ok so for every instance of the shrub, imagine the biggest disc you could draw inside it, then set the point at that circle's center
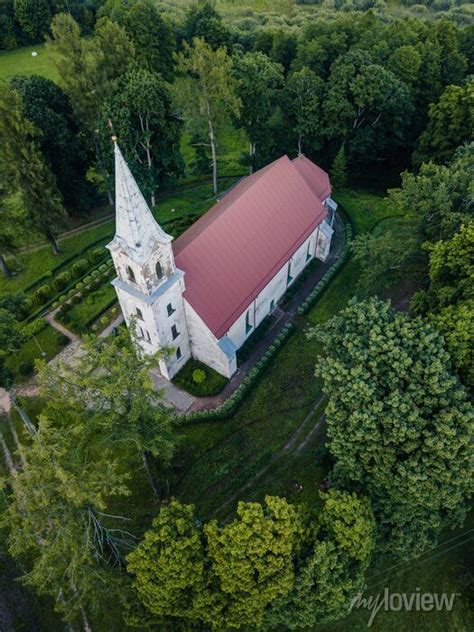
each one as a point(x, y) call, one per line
point(26, 367)
point(77, 298)
point(96, 254)
point(95, 272)
point(103, 267)
point(87, 279)
point(34, 327)
point(43, 293)
point(79, 267)
point(199, 376)
point(62, 280)
point(104, 320)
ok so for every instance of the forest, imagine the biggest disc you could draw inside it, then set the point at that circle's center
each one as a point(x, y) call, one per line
point(349, 454)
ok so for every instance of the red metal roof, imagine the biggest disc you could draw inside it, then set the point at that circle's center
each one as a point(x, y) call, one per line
point(232, 252)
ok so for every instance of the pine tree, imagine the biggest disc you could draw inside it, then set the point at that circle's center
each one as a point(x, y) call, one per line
point(339, 169)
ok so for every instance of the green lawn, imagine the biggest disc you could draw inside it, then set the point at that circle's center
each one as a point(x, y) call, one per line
point(20, 62)
point(48, 342)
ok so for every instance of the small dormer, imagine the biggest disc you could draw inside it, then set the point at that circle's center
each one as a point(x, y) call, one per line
point(141, 250)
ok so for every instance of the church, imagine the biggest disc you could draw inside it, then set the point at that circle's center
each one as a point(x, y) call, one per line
point(203, 295)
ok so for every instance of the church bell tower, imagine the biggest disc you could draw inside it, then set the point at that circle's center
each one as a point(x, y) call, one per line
point(149, 286)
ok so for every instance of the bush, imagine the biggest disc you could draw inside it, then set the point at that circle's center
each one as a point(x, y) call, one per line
point(79, 267)
point(103, 267)
point(43, 293)
point(26, 367)
point(34, 327)
point(62, 280)
point(77, 298)
point(199, 376)
point(96, 255)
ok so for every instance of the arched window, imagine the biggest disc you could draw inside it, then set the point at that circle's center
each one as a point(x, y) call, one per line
point(131, 274)
point(159, 270)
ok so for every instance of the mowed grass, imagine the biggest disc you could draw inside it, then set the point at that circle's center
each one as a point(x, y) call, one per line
point(21, 62)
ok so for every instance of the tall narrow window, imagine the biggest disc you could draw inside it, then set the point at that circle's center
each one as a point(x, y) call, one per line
point(159, 270)
point(170, 309)
point(147, 336)
point(272, 306)
point(308, 252)
point(174, 332)
point(248, 324)
point(289, 278)
point(131, 274)
point(139, 313)
point(178, 353)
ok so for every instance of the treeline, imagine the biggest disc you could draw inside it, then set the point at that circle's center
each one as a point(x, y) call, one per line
point(25, 22)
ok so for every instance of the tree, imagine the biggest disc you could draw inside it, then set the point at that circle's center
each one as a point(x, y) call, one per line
point(450, 124)
point(171, 574)
point(258, 83)
point(303, 108)
point(204, 22)
point(31, 175)
point(252, 557)
point(437, 199)
point(399, 422)
point(339, 169)
point(33, 16)
point(46, 106)
point(366, 107)
point(57, 517)
point(112, 380)
point(330, 568)
point(144, 118)
point(208, 93)
point(11, 335)
point(152, 38)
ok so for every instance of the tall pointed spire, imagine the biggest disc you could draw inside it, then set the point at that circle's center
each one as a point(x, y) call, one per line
point(136, 229)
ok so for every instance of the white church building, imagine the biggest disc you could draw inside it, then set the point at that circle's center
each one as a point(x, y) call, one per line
point(203, 295)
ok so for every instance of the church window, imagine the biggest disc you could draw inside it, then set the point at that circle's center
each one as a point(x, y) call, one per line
point(139, 313)
point(308, 252)
point(159, 270)
point(170, 309)
point(131, 274)
point(248, 324)
point(272, 306)
point(147, 336)
point(178, 353)
point(289, 278)
point(174, 332)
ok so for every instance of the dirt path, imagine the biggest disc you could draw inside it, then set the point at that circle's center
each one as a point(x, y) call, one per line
point(59, 327)
point(282, 452)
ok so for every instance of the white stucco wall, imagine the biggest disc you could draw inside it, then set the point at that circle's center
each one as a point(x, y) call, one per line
point(274, 291)
point(204, 344)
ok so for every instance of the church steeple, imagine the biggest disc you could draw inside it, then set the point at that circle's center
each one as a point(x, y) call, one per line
point(137, 233)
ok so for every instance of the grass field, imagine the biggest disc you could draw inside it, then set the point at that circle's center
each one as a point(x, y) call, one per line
point(21, 62)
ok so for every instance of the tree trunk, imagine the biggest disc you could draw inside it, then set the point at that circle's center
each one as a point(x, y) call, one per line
point(4, 267)
point(300, 148)
point(111, 198)
point(53, 241)
point(212, 140)
point(253, 151)
point(85, 621)
point(151, 478)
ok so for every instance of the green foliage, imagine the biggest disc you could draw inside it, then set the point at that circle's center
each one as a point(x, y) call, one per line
point(339, 169)
point(302, 105)
point(143, 116)
point(399, 422)
point(206, 23)
point(33, 16)
point(275, 563)
point(450, 124)
point(199, 376)
point(11, 336)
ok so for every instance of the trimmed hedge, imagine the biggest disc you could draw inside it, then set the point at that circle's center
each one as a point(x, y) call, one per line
point(199, 379)
point(248, 383)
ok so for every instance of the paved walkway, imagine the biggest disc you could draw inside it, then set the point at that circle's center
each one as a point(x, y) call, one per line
point(172, 395)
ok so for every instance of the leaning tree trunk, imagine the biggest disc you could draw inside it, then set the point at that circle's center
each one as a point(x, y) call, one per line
point(4, 267)
point(253, 151)
point(53, 241)
point(151, 479)
point(212, 140)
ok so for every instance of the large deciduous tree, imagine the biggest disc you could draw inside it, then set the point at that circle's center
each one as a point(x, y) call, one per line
point(207, 93)
point(33, 16)
point(203, 21)
point(450, 124)
point(30, 174)
point(112, 379)
point(46, 106)
point(259, 81)
point(144, 119)
point(400, 423)
point(274, 564)
point(302, 105)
